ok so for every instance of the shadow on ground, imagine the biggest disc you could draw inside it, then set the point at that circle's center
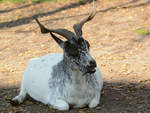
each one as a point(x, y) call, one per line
point(27, 20)
point(17, 8)
point(116, 97)
point(28, 5)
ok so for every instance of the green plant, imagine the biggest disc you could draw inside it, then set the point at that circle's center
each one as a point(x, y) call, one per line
point(13, 1)
point(143, 31)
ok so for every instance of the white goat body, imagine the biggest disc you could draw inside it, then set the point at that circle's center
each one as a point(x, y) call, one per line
point(77, 91)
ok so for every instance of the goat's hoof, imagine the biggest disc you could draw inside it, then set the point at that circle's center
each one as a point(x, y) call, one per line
point(93, 104)
point(14, 102)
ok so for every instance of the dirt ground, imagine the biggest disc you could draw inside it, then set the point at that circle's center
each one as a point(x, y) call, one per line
point(122, 55)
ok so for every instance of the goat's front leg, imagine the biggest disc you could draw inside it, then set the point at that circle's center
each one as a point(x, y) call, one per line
point(95, 101)
point(60, 105)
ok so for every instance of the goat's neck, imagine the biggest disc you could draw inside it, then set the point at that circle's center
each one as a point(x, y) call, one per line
point(64, 70)
point(68, 67)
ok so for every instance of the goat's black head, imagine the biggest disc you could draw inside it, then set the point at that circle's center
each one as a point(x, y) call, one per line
point(76, 48)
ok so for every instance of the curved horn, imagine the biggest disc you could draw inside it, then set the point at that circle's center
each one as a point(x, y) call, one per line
point(63, 32)
point(78, 27)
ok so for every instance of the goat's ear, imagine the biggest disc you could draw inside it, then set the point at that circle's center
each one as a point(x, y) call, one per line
point(59, 41)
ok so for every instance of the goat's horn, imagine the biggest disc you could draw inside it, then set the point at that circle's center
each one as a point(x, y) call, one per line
point(63, 32)
point(78, 27)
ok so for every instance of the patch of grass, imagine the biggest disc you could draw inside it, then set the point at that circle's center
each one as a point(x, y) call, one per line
point(143, 31)
point(34, 1)
point(84, 0)
point(14, 1)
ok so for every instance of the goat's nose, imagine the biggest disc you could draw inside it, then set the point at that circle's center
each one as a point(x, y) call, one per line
point(92, 64)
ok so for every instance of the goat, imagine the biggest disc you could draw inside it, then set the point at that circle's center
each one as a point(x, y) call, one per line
point(64, 80)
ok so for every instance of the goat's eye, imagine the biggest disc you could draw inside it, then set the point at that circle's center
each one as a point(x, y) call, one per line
point(80, 41)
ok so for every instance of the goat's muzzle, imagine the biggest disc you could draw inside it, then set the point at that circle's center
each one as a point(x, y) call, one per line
point(91, 67)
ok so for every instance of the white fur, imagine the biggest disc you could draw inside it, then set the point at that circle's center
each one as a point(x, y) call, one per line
point(35, 82)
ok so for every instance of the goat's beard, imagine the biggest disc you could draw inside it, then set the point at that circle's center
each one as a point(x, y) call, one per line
point(89, 72)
